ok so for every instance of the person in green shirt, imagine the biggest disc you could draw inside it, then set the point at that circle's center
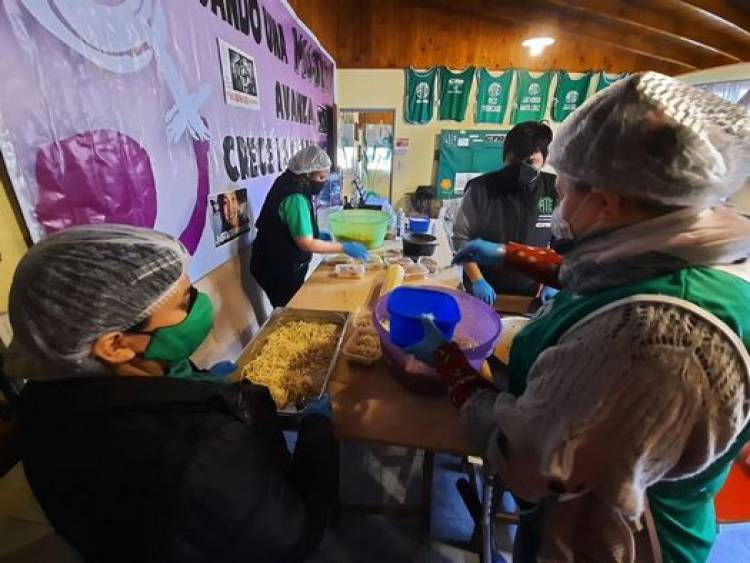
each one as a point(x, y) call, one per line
point(288, 232)
point(626, 397)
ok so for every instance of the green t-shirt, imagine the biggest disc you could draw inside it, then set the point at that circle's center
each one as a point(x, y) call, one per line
point(531, 96)
point(295, 212)
point(454, 93)
point(492, 96)
point(570, 94)
point(419, 96)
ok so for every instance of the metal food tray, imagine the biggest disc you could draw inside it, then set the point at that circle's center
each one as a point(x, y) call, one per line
point(282, 315)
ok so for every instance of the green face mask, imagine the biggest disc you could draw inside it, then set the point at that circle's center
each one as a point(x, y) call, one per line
point(178, 342)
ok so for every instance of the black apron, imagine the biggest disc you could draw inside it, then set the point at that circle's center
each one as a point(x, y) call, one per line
point(515, 213)
point(278, 264)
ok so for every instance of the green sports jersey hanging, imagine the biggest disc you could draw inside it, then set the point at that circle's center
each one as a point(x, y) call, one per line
point(492, 96)
point(531, 96)
point(454, 93)
point(569, 94)
point(420, 95)
point(605, 80)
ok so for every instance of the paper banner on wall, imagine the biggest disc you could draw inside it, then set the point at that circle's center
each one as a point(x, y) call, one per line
point(419, 99)
point(492, 96)
point(135, 111)
point(570, 93)
point(401, 147)
point(532, 93)
point(464, 155)
point(454, 93)
point(608, 79)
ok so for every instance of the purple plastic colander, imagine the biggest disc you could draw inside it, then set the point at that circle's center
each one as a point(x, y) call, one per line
point(477, 334)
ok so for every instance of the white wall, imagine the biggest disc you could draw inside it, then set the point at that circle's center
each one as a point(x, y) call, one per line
point(384, 89)
point(726, 73)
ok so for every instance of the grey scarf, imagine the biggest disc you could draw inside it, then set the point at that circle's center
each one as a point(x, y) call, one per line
point(688, 237)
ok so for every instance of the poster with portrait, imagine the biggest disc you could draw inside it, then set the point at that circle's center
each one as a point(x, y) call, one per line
point(240, 79)
point(116, 111)
point(230, 216)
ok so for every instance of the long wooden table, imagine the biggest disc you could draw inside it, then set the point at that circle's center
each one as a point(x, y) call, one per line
point(368, 403)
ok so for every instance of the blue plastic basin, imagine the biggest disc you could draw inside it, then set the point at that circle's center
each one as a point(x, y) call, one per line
point(419, 225)
point(406, 306)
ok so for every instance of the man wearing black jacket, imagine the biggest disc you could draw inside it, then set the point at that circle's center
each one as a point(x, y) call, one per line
point(132, 458)
point(513, 204)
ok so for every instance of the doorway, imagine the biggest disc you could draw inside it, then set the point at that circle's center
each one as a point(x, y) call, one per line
point(365, 151)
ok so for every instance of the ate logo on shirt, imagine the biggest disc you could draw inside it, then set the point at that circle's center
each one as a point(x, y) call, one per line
point(422, 91)
point(546, 205)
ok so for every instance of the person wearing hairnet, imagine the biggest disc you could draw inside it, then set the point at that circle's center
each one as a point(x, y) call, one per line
point(629, 393)
point(288, 232)
point(129, 465)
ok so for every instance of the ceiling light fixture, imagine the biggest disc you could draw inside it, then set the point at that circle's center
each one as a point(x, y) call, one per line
point(536, 45)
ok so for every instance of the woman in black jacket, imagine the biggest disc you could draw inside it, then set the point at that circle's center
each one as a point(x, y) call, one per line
point(130, 465)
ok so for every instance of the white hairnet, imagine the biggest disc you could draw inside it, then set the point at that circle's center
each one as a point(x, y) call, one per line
point(654, 138)
point(81, 283)
point(309, 159)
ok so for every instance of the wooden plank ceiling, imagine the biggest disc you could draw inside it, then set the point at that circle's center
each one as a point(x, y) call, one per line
point(671, 36)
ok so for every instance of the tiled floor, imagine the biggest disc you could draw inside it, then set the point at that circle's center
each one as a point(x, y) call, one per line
point(378, 474)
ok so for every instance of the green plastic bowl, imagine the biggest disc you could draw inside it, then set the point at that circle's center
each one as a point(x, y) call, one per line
point(360, 225)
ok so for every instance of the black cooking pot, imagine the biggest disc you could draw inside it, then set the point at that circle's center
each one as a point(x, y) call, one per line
point(417, 244)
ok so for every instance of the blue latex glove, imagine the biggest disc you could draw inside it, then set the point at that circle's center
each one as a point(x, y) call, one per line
point(321, 406)
point(548, 293)
point(480, 251)
point(356, 250)
point(223, 369)
point(322, 235)
point(482, 290)
point(424, 350)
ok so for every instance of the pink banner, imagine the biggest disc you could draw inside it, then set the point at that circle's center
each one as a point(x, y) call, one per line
point(142, 111)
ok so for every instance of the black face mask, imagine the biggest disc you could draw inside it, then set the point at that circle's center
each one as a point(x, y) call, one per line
point(527, 174)
point(522, 175)
point(315, 187)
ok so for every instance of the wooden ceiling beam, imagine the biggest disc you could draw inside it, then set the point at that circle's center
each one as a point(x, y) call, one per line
point(732, 14)
point(672, 19)
point(542, 20)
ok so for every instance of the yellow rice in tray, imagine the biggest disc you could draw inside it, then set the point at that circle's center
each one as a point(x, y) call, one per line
point(293, 361)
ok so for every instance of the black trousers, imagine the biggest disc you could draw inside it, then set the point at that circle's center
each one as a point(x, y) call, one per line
point(280, 284)
point(315, 477)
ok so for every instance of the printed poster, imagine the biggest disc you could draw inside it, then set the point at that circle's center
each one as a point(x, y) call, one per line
point(238, 72)
point(230, 216)
point(134, 111)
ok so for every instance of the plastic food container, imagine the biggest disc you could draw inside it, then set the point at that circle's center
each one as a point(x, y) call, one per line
point(363, 346)
point(374, 262)
point(419, 225)
point(511, 327)
point(415, 272)
point(406, 306)
point(363, 321)
point(349, 270)
point(429, 263)
point(360, 225)
point(336, 259)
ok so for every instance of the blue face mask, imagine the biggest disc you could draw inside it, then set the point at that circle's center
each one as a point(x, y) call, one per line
point(565, 238)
